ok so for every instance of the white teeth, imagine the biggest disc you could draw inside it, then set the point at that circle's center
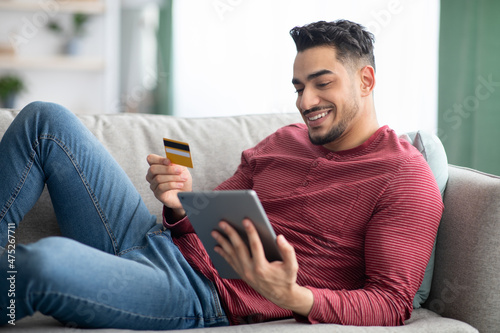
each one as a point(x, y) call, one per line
point(321, 115)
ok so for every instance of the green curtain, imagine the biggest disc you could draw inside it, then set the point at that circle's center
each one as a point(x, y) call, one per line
point(469, 83)
point(163, 93)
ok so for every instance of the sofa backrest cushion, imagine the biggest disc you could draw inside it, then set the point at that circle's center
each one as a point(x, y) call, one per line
point(215, 143)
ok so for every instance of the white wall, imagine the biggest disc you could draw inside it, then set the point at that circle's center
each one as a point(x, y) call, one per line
point(236, 56)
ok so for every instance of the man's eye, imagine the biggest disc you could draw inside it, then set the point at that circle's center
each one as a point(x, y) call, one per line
point(299, 91)
point(321, 85)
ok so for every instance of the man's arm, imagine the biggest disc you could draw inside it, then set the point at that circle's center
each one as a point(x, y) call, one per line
point(398, 243)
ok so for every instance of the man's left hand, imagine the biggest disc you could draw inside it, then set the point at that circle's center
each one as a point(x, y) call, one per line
point(277, 280)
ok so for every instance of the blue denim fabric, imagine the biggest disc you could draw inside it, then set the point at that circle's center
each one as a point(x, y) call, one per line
point(114, 267)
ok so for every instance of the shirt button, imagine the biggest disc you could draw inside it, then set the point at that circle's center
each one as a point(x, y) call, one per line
point(314, 164)
point(305, 183)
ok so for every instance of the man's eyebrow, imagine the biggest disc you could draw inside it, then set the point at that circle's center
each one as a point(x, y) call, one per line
point(313, 75)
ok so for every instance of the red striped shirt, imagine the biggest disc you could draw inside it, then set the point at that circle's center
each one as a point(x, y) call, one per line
point(362, 222)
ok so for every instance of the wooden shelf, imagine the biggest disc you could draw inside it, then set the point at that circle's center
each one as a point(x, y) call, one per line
point(52, 63)
point(84, 7)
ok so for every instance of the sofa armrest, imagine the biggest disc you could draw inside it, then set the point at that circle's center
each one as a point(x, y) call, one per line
point(466, 283)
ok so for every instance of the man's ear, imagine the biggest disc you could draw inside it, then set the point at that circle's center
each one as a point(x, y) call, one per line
point(367, 75)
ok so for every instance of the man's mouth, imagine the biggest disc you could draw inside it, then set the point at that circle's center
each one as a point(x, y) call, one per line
point(318, 116)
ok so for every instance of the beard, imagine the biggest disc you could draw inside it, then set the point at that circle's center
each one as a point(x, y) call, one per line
point(337, 130)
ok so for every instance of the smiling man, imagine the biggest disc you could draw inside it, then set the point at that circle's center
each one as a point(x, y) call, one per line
point(356, 208)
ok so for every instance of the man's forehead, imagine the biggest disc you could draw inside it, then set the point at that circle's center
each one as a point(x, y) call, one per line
point(314, 62)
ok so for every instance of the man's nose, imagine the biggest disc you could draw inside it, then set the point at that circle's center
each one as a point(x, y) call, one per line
point(309, 99)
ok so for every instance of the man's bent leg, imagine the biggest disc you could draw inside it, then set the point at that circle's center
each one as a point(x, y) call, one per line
point(94, 201)
point(149, 288)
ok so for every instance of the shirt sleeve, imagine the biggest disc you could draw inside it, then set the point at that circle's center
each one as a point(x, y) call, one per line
point(398, 244)
point(177, 228)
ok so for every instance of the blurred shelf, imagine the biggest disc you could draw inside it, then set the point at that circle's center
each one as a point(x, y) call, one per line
point(52, 63)
point(81, 6)
point(28, 16)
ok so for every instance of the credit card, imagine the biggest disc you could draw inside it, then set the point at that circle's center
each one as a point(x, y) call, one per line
point(178, 152)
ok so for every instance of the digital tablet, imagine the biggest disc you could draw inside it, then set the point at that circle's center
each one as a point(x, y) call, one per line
point(206, 209)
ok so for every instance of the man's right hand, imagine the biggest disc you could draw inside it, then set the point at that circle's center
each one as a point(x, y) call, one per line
point(166, 180)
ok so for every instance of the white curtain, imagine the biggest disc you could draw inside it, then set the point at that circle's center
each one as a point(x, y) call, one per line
point(235, 56)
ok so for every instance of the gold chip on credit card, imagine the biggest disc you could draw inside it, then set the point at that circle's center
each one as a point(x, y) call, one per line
point(178, 152)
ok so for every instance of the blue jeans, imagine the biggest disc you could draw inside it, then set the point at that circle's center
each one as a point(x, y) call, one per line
point(114, 266)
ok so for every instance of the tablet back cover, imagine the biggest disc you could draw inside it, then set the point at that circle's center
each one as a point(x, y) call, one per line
point(206, 209)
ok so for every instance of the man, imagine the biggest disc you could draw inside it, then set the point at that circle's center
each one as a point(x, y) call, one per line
point(356, 210)
point(367, 192)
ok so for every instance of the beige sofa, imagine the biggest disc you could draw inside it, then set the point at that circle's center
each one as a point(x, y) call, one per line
point(465, 295)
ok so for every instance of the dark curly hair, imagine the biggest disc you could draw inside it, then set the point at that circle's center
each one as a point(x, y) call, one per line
point(352, 41)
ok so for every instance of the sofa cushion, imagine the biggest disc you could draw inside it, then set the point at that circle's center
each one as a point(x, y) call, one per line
point(422, 320)
point(131, 137)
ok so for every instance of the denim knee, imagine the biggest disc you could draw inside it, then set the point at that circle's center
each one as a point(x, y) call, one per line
point(42, 112)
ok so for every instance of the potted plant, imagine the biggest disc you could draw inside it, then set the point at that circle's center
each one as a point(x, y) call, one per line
point(10, 87)
point(73, 37)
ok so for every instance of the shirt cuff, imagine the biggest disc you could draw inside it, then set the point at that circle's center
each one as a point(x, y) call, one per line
point(177, 228)
point(315, 312)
